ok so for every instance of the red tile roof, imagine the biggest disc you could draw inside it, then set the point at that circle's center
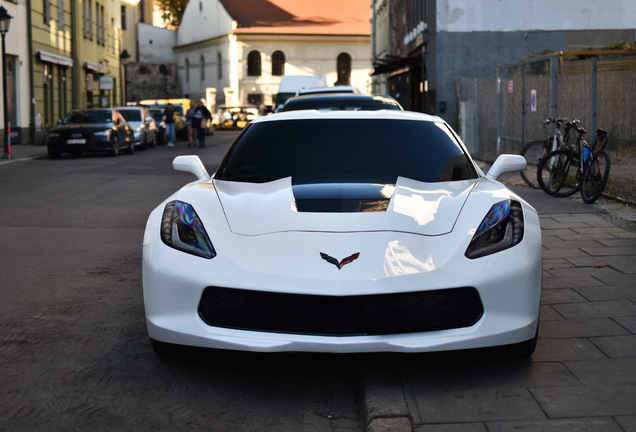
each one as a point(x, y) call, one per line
point(349, 17)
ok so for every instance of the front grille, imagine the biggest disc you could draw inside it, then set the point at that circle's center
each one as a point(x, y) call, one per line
point(378, 314)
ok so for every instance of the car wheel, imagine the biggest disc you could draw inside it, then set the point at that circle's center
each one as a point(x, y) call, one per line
point(164, 349)
point(114, 147)
point(518, 350)
point(153, 143)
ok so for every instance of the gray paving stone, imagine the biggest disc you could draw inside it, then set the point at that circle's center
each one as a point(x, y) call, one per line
point(617, 346)
point(500, 373)
point(560, 295)
point(596, 424)
point(602, 250)
point(586, 401)
point(548, 314)
point(558, 350)
point(628, 322)
point(604, 292)
point(475, 405)
point(622, 264)
point(555, 263)
point(604, 371)
point(570, 282)
point(597, 309)
point(389, 425)
point(562, 252)
point(617, 242)
point(589, 272)
point(616, 279)
point(452, 427)
point(628, 423)
point(592, 327)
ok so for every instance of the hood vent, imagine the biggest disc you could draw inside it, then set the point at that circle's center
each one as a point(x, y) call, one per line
point(342, 198)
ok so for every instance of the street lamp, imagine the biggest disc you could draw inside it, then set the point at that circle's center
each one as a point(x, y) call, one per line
point(5, 20)
point(123, 57)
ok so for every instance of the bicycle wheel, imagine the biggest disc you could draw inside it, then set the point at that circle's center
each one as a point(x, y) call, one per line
point(557, 173)
point(595, 177)
point(534, 151)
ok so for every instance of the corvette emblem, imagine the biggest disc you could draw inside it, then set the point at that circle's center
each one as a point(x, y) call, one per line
point(340, 264)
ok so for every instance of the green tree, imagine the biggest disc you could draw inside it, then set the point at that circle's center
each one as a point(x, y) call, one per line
point(172, 11)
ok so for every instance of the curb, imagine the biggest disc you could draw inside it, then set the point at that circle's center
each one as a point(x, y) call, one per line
point(383, 407)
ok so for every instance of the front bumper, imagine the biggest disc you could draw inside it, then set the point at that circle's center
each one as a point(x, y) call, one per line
point(508, 285)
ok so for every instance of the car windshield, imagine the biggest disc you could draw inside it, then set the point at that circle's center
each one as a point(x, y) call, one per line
point(131, 115)
point(157, 114)
point(97, 116)
point(347, 151)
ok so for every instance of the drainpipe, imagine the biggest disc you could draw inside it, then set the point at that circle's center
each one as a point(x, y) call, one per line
point(31, 82)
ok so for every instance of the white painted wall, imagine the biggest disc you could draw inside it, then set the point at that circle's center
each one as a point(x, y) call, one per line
point(155, 44)
point(206, 30)
point(203, 19)
point(16, 44)
point(518, 15)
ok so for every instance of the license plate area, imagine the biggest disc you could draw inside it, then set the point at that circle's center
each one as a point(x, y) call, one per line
point(76, 141)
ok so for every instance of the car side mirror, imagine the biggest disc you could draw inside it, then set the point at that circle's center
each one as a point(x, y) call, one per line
point(192, 164)
point(506, 163)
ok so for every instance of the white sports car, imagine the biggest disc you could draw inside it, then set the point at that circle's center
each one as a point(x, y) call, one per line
point(344, 232)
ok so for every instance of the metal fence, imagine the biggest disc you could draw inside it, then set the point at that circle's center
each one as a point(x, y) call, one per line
point(498, 115)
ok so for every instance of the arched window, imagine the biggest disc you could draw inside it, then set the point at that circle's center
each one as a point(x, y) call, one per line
point(254, 63)
point(187, 70)
point(344, 69)
point(219, 65)
point(278, 63)
point(202, 68)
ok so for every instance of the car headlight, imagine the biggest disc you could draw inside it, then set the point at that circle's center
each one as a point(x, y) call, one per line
point(502, 228)
point(182, 229)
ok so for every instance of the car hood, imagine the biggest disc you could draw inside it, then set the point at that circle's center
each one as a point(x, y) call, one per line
point(278, 206)
point(81, 126)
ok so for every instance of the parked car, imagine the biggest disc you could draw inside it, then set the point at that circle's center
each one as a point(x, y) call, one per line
point(143, 125)
point(181, 131)
point(236, 117)
point(90, 131)
point(341, 102)
point(157, 115)
point(344, 231)
point(326, 89)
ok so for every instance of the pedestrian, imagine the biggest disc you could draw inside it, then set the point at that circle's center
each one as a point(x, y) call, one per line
point(200, 118)
point(168, 119)
point(188, 121)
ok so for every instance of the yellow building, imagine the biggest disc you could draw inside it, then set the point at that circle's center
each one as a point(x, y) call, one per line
point(51, 35)
point(76, 47)
point(96, 54)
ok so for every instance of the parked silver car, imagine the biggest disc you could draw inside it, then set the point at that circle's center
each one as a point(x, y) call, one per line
point(143, 125)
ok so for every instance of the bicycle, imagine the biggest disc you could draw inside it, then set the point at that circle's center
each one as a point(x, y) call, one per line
point(535, 151)
point(580, 167)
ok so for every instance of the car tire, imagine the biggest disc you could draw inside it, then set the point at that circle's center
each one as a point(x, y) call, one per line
point(518, 350)
point(164, 349)
point(114, 147)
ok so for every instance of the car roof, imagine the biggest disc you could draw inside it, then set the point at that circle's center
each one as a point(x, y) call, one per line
point(339, 99)
point(320, 90)
point(354, 115)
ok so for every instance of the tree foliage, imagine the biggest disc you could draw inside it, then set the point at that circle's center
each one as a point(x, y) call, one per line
point(172, 11)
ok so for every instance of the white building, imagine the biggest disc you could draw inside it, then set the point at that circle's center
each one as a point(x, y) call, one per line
point(235, 51)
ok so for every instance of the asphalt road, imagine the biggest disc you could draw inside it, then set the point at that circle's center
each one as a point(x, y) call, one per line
point(74, 353)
